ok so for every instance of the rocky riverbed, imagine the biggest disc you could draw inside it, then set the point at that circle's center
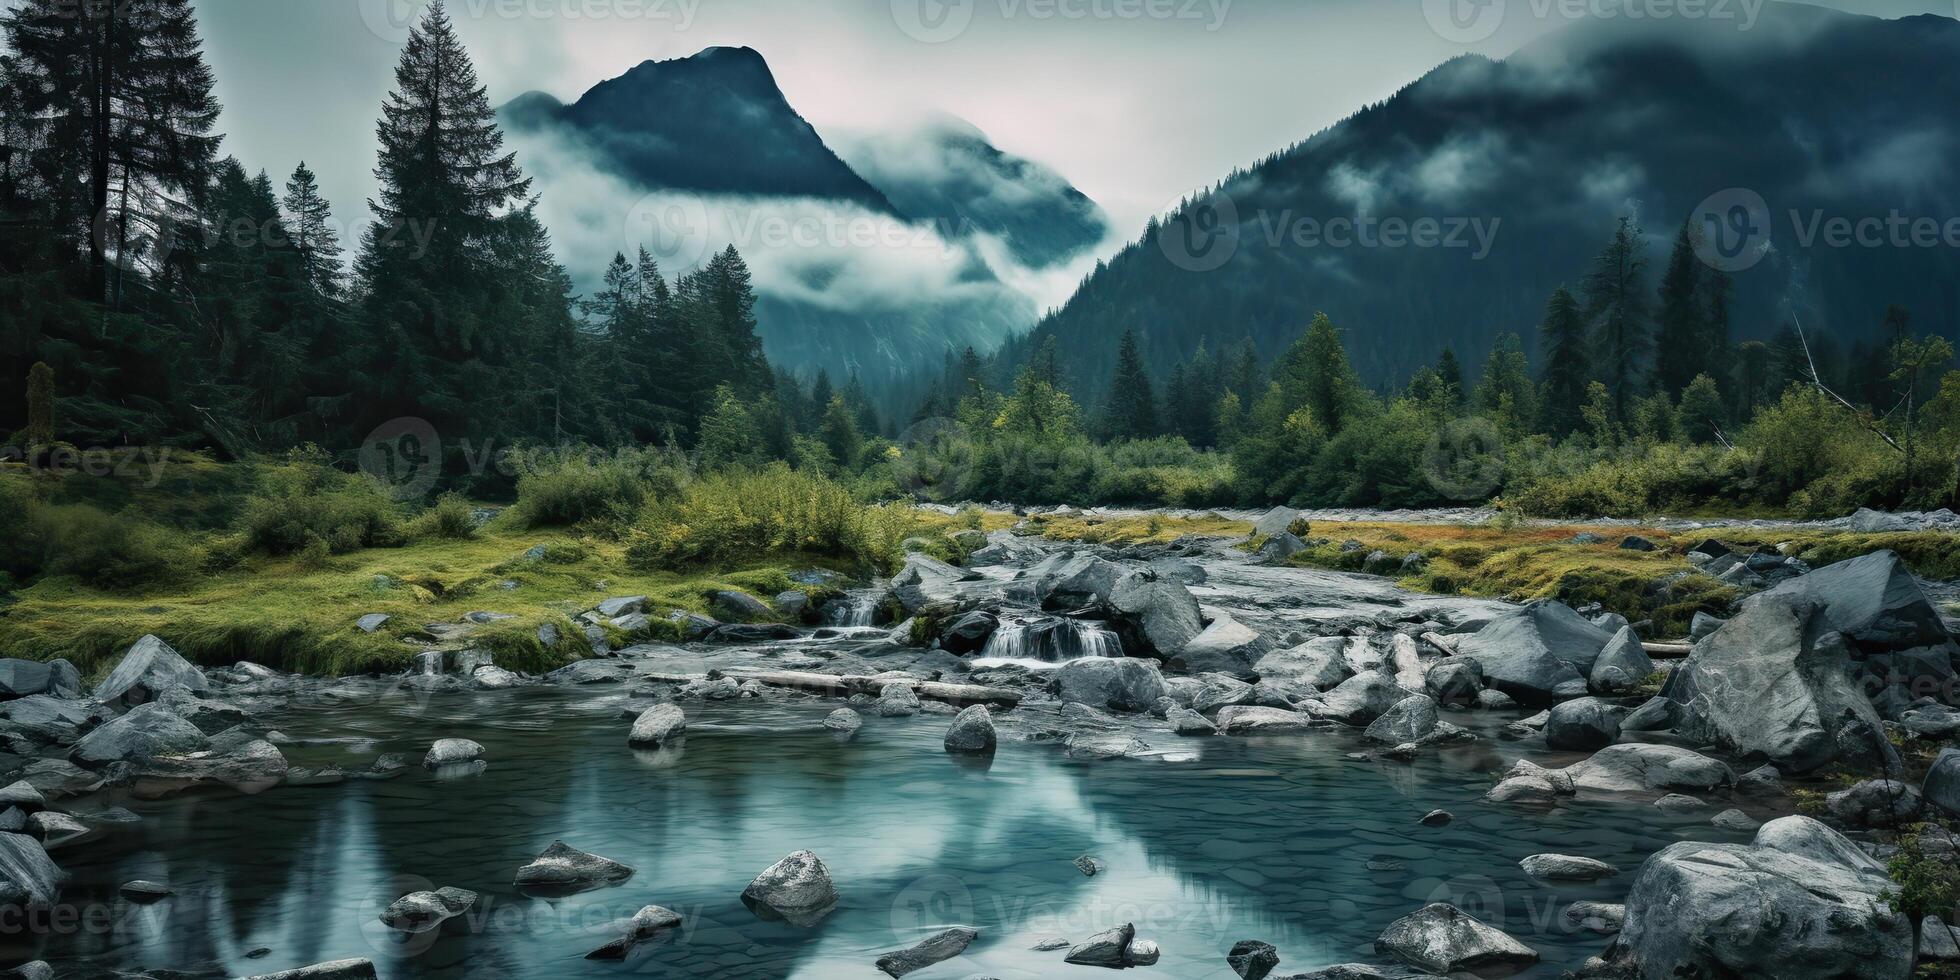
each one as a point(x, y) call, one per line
point(1179, 760)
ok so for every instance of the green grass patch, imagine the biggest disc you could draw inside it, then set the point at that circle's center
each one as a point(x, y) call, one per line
point(1153, 529)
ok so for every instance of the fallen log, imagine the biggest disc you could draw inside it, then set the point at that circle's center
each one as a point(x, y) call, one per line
point(1440, 642)
point(845, 685)
point(1669, 651)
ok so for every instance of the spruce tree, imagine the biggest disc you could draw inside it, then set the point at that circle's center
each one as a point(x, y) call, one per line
point(1616, 307)
point(1315, 374)
point(40, 405)
point(1682, 333)
point(1131, 409)
point(1450, 373)
point(1702, 414)
point(1505, 394)
point(840, 434)
point(309, 222)
point(1567, 366)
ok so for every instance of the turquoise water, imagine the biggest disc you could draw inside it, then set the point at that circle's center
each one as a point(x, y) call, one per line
point(1237, 839)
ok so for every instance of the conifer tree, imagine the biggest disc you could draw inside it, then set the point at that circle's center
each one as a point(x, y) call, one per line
point(840, 434)
point(1616, 307)
point(40, 405)
point(1130, 411)
point(1315, 374)
point(1567, 366)
point(1702, 414)
point(309, 222)
point(1682, 332)
point(1450, 373)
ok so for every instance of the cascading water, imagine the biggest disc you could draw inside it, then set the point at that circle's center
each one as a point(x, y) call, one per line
point(853, 611)
point(1048, 640)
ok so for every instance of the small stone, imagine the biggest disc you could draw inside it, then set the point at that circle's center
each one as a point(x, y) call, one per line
point(843, 720)
point(1252, 959)
point(1089, 866)
point(1438, 818)
point(658, 725)
point(1566, 867)
point(1736, 820)
point(452, 752)
point(142, 890)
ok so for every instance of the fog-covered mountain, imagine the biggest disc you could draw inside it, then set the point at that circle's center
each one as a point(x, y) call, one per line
point(1822, 114)
point(927, 241)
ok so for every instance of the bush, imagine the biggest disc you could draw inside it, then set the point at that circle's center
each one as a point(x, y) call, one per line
point(450, 518)
point(738, 514)
point(561, 489)
point(306, 504)
point(96, 548)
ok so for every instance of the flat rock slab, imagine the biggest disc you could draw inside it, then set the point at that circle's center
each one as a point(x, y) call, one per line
point(937, 949)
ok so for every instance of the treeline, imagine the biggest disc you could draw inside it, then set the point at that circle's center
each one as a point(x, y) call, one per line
point(174, 297)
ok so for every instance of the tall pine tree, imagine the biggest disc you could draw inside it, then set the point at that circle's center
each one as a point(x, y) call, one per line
point(1617, 309)
point(1567, 366)
point(1130, 411)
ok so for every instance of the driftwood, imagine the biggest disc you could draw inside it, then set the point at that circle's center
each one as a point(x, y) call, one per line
point(1440, 642)
point(1668, 651)
point(845, 685)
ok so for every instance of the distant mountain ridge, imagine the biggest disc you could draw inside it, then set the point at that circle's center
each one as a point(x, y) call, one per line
point(716, 127)
point(1816, 111)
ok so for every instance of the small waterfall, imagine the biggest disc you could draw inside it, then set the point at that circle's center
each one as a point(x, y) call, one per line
point(857, 610)
point(1049, 640)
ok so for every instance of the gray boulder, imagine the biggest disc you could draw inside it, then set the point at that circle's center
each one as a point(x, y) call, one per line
point(355, 969)
point(796, 888)
point(1800, 903)
point(1281, 546)
point(843, 720)
point(1361, 699)
point(738, 607)
point(1536, 653)
point(969, 633)
point(623, 606)
point(1184, 721)
point(235, 758)
point(147, 730)
point(1115, 949)
point(1623, 665)
point(1454, 681)
point(1079, 582)
point(452, 752)
point(1318, 664)
point(1658, 714)
point(1163, 612)
point(1775, 683)
point(658, 725)
point(1111, 684)
point(419, 912)
point(28, 878)
point(1252, 959)
point(1225, 647)
point(563, 867)
point(1442, 939)
point(20, 678)
point(644, 925)
point(1253, 720)
point(1583, 724)
point(1566, 867)
point(972, 731)
point(1942, 786)
point(1881, 803)
point(1412, 719)
point(148, 669)
point(935, 949)
point(1279, 520)
point(1635, 767)
point(897, 700)
point(1895, 635)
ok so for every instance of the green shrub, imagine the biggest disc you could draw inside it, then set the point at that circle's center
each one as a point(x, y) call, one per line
point(737, 514)
point(306, 505)
point(451, 518)
point(561, 489)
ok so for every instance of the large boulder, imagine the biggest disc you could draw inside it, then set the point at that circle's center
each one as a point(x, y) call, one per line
point(1776, 683)
point(1110, 683)
point(1243, 719)
point(972, 731)
point(1583, 724)
point(1318, 664)
point(1442, 938)
point(418, 912)
point(658, 725)
point(562, 867)
point(1361, 699)
point(28, 878)
point(1080, 581)
point(1225, 647)
point(1942, 786)
point(20, 678)
point(1412, 719)
point(1638, 767)
point(1799, 903)
point(1623, 665)
point(969, 633)
point(1896, 637)
point(1279, 520)
point(796, 888)
point(148, 669)
point(926, 580)
point(1538, 654)
point(1161, 612)
point(148, 730)
point(235, 758)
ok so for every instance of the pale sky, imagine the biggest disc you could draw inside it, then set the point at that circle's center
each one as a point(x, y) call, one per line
point(1137, 102)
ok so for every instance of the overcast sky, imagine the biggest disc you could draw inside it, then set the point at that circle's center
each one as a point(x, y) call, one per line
point(1135, 101)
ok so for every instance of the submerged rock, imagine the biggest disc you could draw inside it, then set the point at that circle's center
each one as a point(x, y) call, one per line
point(419, 912)
point(936, 949)
point(1361, 699)
point(562, 866)
point(644, 925)
point(797, 888)
point(1110, 684)
point(972, 731)
point(149, 729)
point(1252, 959)
point(1566, 867)
point(843, 720)
point(335, 970)
point(1443, 939)
point(452, 752)
point(1115, 949)
point(1583, 724)
point(658, 725)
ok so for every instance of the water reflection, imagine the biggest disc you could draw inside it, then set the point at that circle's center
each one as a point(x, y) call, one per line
point(1271, 839)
